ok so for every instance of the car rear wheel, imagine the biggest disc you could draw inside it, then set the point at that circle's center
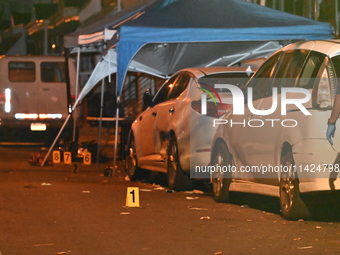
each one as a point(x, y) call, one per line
point(292, 205)
point(131, 163)
point(176, 178)
point(221, 158)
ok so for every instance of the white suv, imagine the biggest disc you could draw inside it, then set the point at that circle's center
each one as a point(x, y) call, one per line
point(172, 134)
point(278, 145)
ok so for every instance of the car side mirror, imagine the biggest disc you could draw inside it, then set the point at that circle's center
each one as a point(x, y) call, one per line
point(147, 99)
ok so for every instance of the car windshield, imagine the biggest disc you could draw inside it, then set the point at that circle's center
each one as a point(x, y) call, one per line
point(237, 79)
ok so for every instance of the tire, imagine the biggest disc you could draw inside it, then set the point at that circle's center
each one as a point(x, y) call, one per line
point(176, 178)
point(131, 163)
point(221, 156)
point(291, 203)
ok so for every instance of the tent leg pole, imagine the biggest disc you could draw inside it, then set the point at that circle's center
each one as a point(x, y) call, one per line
point(100, 119)
point(76, 96)
point(55, 140)
point(116, 141)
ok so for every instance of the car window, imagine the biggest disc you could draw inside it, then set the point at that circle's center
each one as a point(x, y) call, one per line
point(53, 71)
point(310, 70)
point(180, 85)
point(261, 82)
point(291, 65)
point(164, 92)
point(21, 71)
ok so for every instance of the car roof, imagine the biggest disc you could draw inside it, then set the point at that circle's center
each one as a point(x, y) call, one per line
point(201, 71)
point(328, 47)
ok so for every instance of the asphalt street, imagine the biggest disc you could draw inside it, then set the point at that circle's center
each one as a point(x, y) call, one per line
point(57, 210)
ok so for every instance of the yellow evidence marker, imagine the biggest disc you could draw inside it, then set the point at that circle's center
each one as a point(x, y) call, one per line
point(56, 157)
point(132, 197)
point(87, 158)
point(67, 158)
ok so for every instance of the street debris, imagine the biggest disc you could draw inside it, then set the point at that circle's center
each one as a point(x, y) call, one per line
point(108, 172)
point(127, 178)
point(159, 188)
point(86, 191)
point(170, 191)
point(218, 253)
point(125, 213)
point(191, 198)
point(297, 239)
point(62, 252)
point(249, 220)
point(205, 218)
point(146, 190)
point(29, 186)
point(36, 160)
point(45, 184)
point(195, 191)
point(318, 227)
point(304, 248)
point(43, 244)
point(244, 206)
point(197, 208)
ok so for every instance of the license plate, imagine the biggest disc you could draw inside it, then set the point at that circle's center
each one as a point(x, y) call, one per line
point(38, 126)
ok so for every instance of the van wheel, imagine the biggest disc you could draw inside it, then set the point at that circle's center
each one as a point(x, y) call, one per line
point(220, 156)
point(292, 205)
point(131, 163)
point(177, 180)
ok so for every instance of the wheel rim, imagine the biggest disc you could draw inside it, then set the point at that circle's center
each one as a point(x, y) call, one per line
point(132, 158)
point(172, 164)
point(287, 183)
point(287, 192)
point(218, 177)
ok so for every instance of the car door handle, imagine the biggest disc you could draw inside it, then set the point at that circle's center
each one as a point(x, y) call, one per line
point(172, 110)
point(154, 114)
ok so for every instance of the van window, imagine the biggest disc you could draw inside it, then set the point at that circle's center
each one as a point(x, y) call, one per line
point(53, 72)
point(21, 71)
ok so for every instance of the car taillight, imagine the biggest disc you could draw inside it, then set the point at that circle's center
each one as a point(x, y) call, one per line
point(324, 97)
point(224, 108)
point(211, 108)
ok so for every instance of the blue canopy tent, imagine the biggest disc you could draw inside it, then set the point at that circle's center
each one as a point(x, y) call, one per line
point(190, 21)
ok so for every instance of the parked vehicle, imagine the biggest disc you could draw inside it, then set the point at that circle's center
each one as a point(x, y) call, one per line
point(34, 96)
point(277, 148)
point(172, 134)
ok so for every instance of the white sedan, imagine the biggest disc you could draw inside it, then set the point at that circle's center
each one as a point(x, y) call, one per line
point(175, 132)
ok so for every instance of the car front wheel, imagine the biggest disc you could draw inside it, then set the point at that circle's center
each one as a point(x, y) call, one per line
point(292, 205)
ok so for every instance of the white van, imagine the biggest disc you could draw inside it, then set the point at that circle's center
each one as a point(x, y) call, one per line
point(34, 96)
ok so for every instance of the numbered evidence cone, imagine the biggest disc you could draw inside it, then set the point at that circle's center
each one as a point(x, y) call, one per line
point(87, 158)
point(132, 197)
